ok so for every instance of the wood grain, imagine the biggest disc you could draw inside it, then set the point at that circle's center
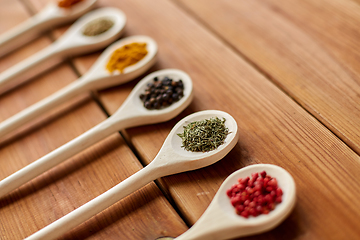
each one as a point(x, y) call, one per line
point(273, 127)
point(15, 13)
point(307, 48)
point(249, 64)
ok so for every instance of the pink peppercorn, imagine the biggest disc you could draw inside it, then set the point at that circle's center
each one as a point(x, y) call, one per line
point(256, 195)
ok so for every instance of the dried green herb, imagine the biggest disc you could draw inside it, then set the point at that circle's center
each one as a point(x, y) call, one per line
point(205, 135)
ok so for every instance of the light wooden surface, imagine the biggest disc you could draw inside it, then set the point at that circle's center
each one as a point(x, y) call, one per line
point(287, 71)
point(307, 48)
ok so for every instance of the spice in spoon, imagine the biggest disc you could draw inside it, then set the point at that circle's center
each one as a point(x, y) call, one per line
point(97, 26)
point(126, 56)
point(162, 93)
point(256, 195)
point(205, 135)
point(67, 3)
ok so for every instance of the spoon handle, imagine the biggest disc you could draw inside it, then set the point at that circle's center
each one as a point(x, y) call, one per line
point(98, 204)
point(195, 233)
point(57, 156)
point(210, 226)
point(8, 76)
point(41, 107)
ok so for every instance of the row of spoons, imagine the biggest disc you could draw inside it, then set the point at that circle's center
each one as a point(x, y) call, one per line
point(73, 42)
point(52, 15)
point(171, 158)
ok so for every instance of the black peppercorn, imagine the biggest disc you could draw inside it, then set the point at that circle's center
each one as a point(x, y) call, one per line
point(175, 96)
point(160, 94)
point(147, 104)
point(165, 96)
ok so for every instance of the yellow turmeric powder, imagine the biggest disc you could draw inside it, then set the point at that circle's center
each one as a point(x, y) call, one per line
point(67, 3)
point(126, 56)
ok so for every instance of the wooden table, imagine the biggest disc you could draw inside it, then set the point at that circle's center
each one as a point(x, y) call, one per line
point(287, 71)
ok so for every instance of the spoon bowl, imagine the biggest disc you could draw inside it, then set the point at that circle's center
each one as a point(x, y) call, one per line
point(220, 220)
point(134, 108)
point(52, 15)
point(171, 159)
point(97, 78)
point(60, 15)
point(195, 160)
point(72, 42)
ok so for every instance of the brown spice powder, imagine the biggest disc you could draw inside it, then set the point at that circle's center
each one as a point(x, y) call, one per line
point(67, 3)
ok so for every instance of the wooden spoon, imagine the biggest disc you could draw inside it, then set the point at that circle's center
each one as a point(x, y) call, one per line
point(131, 113)
point(220, 221)
point(47, 18)
point(171, 159)
point(72, 42)
point(96, 78)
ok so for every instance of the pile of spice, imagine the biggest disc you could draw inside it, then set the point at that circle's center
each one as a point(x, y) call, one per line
point(205, 135)
point(126, 56)
point(162, 93)
point(67, 3)
point(97, 26)
point(255, 196)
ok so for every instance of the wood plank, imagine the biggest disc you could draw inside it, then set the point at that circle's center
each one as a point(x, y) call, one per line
point(145, 214)
point(273, 128)
point(14, 14)
point(307, 48)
